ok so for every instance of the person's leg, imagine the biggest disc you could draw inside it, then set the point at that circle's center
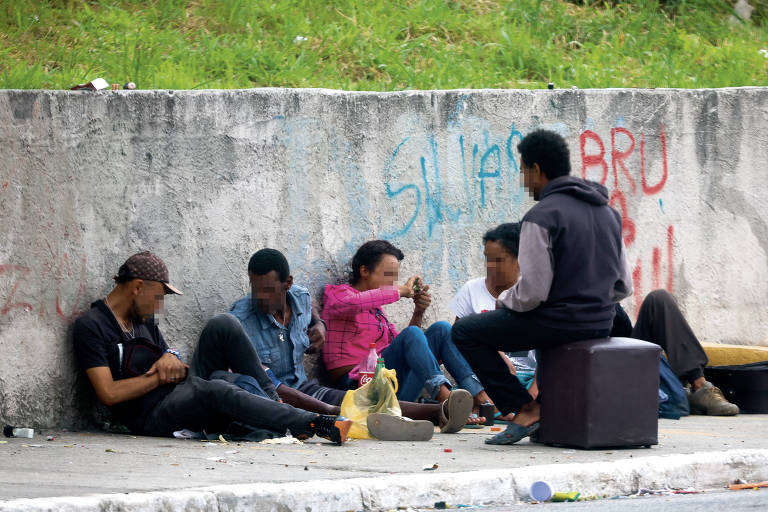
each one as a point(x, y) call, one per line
point(409, 354)
point(303, 401)
point(197, 404)
point(442, 347)
point(660, 321)
point(416, 411)
point(224, 345)
point(480, 337)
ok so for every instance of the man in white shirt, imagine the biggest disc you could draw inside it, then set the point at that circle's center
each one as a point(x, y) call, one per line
point(500, 247)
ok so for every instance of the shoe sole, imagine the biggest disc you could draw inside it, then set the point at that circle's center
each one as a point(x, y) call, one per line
point(386, 427)
point(459, 406)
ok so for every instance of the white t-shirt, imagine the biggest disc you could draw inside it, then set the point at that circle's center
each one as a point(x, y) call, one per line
point(474, 297)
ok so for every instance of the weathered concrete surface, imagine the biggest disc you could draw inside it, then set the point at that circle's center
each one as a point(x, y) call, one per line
point(697, 451)
point(205, 178)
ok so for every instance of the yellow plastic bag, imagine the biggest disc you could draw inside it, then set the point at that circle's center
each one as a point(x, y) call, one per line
point(378, 395)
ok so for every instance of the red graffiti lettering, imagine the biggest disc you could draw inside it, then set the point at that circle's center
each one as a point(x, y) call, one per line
point(656, 268)
point(9, 305)
point(618, 157)
point(592, 159)
point(671, 259)
point(637, 284)
point(627, 224)
point(655, 189)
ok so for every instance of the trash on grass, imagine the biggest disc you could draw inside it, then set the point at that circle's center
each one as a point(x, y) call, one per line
point(94, 85)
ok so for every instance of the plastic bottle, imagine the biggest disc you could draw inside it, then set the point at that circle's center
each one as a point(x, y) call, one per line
point(380, 364)
point(10, 431)
point(368, 366)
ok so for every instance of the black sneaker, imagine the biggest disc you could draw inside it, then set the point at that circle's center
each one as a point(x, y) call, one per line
point(333, 428)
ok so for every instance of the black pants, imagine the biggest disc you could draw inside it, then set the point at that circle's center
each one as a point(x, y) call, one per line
point(479, 338)
point(660, 321)
point(202, 404)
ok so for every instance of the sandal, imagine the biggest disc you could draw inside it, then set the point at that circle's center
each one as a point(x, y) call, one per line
point(513, 434)
point(386, 427)
point(455, 411)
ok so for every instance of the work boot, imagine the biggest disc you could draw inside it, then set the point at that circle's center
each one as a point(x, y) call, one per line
point(333, 428)
point(709, 400)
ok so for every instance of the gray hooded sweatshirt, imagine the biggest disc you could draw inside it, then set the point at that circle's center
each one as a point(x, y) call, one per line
point(573, 266)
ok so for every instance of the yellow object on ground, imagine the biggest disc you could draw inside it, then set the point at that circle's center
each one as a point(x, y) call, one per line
point(378, 395)
point(723, 355)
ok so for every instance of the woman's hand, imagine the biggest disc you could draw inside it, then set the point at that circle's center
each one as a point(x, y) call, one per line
point(406, 290)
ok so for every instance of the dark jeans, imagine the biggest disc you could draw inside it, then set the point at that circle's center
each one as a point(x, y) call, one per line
point(480, 337)
point(203, 403)
point(660, 321)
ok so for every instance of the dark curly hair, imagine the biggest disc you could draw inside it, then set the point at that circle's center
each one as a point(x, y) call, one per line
point(370, 254)
point(508, 235)
point(266, 260)
point(549, 150)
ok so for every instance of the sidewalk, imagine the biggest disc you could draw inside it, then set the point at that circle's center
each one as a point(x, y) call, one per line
point(98, 471)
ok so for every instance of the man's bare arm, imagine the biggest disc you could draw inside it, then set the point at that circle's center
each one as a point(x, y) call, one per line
point(111, 392)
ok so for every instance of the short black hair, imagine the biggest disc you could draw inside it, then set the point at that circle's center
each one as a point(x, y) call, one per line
point(508, 235)
point(549, 150)
point(266, 260)
point(370, 254)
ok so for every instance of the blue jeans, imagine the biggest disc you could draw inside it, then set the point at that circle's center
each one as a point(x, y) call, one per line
point(414, 354)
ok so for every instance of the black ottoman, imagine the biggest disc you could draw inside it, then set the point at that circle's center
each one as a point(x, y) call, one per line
point(599, 393)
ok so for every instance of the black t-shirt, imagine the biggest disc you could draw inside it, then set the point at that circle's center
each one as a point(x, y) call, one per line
point(96, 336)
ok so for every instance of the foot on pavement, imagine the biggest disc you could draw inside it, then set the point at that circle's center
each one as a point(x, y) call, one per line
point(513, 434)
point(333, 428)
point(709, 400)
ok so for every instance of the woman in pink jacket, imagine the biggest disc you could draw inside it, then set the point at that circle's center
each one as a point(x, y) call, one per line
point(354, 319)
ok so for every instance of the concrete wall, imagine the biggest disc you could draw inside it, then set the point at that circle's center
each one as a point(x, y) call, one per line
point(205, 178)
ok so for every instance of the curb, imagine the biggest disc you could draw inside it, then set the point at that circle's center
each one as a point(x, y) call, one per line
point(699, 470)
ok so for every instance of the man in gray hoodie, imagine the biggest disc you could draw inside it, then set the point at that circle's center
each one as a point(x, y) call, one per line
point(573, 271)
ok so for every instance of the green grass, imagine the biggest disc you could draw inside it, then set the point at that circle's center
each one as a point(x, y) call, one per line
point(380, 45)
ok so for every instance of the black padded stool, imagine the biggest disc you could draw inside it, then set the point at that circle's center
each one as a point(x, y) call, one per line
point(599, 393)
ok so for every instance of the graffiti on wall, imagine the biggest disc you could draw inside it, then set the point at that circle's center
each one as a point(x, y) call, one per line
point(51, 280)
point(628, 161)
point(457, 183)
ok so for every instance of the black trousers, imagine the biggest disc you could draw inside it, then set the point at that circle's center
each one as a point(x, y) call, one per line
point(479, 338)
point(660, 321)
point(202, 403)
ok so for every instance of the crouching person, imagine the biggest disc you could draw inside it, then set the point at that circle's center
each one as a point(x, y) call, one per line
point(148, 387)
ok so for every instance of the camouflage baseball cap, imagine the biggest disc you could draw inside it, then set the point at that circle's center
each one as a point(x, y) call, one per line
point(145, 265)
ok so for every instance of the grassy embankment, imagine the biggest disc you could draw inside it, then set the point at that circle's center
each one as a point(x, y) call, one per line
point(381, 44)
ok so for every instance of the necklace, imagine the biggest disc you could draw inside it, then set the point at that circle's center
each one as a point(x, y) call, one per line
point(128, 332)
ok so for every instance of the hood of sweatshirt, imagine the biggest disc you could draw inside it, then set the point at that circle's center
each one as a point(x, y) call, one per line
point(587, 191)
